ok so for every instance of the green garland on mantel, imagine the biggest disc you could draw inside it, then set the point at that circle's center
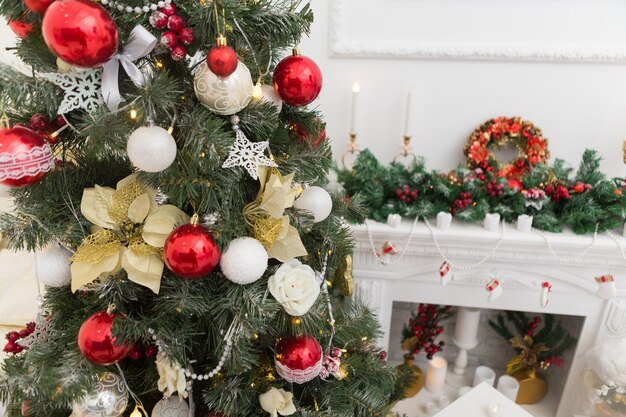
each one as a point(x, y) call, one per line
point(555, 195)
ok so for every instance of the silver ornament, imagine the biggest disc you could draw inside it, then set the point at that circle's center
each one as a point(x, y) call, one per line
point(223, 95)
point(171, 407)
point(109, 398)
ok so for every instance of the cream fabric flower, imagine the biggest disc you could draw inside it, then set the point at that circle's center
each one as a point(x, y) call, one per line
point(130, 231)
point(171, 377)
point(277, 401)
point(294, 286)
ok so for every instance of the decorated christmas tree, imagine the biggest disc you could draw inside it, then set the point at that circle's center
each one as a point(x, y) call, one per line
point(168, 175)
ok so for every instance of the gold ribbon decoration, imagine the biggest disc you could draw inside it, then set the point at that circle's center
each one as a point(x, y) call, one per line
point(343, 277)
point(267, 216)
point(528, 356)
point(130, 231)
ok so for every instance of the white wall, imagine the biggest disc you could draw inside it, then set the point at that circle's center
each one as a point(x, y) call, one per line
point(578, 105)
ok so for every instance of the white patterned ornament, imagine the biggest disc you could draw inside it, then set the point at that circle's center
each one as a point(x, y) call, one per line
point(171, 407)
point(246, 154)
point(271, 96)
point(109, 398)
point(81, 90)
point(223, 95)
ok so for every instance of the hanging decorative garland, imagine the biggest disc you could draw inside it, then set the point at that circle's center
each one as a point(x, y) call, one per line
point(531, 147)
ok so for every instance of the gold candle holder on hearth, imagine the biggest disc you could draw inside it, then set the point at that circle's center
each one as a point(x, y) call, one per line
point(406, 152)
point(352, 151)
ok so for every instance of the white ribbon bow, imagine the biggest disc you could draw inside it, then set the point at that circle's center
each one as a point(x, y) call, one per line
point(140, 43)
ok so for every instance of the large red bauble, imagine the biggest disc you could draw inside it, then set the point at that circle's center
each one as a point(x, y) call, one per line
point(190, 251)
point(80, 32)
point(222, 60)
point(97, 344)
point(38, 6)
point(298, 359)
point(20, 28)
point(305, 135)
point(297, 80)
point(24, 157)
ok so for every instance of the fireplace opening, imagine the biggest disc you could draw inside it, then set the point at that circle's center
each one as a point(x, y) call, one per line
point(492, 351)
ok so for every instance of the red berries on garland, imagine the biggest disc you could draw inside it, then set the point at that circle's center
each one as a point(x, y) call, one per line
point(494, 189)
point(462, 202)
point(176, 32)
point(407, 194)
point(423, 328)
point(12, 346)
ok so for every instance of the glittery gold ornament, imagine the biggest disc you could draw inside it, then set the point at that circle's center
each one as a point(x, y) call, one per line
point(343, 277)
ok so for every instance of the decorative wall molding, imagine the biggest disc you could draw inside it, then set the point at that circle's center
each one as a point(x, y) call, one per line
point(616, 319)
point(342, 46)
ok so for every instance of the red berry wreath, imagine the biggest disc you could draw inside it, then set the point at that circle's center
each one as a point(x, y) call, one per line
point(531, 146)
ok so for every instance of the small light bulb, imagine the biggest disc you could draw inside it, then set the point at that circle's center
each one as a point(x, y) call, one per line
point(136, 412)
point(170, 129)
point(133, 114)
point(257, 92)
point(159, 64)
point(364, 338)
point(297, 321)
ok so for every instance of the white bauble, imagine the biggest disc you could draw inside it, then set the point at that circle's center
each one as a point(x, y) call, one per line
point(223, 95)
point(151, 149)
point(244, 260)
point(271, 96)
point(53, 265)
point(109, 398)
point(315, 200)
point(173, 406)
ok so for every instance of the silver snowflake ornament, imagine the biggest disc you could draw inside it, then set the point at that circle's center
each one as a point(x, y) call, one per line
point(248, 155)
point(81, 90)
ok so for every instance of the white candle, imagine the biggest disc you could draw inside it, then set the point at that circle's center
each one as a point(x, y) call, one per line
point(436, 374)
point(407, 118)
point(466, 328)
point(524, 223)
point(491, 222)
point(508, 386)
point(444, 219)
point(355, 96)
point(484, 374)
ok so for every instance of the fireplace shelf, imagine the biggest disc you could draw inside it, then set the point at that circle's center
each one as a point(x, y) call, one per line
point(522, 262)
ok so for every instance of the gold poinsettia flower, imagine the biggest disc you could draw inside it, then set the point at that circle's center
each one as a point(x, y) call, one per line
point(129, 233)
point(267, 216)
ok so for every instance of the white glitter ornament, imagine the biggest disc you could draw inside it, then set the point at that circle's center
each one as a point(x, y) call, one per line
point(223, 95)
point(151, 148)
point(244, 261)
point(271, 96)
point(171, 407)
point(109, 398)
point(53, 265)
point(315, 200)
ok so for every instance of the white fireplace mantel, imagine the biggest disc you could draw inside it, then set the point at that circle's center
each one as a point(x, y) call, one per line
point(522, 262)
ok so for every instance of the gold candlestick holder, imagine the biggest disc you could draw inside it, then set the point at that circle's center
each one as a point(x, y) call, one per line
point(351, 151)
point(406, 150)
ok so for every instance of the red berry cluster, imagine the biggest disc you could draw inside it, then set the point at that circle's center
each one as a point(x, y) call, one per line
point(462, 202)
point(555, 360)
point(406, 194)
point(382, 356)
point(558, 193)
point(12, 346)
point(494, 189)
point(425, 327)
point(45, 127)
point(480, 174)
point(532, 326)
point(166, 18)
point(137, 352)
point(580, 187)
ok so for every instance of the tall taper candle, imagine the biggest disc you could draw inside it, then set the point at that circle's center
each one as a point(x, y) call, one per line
point(355, 101)
point(407, 116)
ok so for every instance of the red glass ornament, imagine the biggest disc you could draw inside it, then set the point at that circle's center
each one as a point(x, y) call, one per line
point(80, 32)
point(222, 59)
point(298, 359)
point(304, 135)
point(297, 80)
point(30, 154)
point(186, 36)
point(97, 344)
point(38, 6)
point(190, 251)
point(175, 23)
point(169, 9)
point(158, 19)
point(178, 52)
point(169, 39)
point(20, 28)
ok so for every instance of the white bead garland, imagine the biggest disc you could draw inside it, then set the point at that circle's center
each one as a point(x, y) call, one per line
point(567, 259)
point(130, 9)
point(399, 257)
